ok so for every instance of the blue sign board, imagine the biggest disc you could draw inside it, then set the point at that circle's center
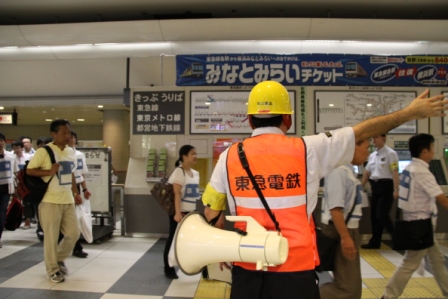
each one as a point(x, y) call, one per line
point(311, 70)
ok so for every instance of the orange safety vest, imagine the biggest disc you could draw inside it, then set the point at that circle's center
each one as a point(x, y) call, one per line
point(278, 164)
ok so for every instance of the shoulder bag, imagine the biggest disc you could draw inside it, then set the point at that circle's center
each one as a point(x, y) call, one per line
point(163, 193)
point(412, 235)
point(327, 246)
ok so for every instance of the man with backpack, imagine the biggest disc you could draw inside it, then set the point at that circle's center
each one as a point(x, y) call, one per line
point(57, 209)
point(7, 169)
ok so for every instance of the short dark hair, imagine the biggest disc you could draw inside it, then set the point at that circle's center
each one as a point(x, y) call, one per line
point(74, 134)
point(55, 124)
point(48, 140)
point(40, 140)
point(420, 142)
point(17, 142)
point(259, 122)
point(2, 136)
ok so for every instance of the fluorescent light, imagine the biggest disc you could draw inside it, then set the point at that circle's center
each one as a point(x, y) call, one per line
point(48, 119)
point(100, 106)
point(80, 119)
point(1, 108)
point(331, 105)
point(369, 105)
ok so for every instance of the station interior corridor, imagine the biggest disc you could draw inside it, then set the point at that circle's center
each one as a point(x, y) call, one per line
point(132, 268)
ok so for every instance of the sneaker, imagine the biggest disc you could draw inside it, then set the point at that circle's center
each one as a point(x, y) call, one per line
point(57, 277)
point(62, 268)
point(26, 226)
point(80, 254)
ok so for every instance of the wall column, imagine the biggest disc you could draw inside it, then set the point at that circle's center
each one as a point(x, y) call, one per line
point(116, 134)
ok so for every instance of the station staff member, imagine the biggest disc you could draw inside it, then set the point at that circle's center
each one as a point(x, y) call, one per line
point(288, 171)
point(382, 173)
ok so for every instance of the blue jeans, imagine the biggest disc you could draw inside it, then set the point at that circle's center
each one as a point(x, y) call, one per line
point(4, 200)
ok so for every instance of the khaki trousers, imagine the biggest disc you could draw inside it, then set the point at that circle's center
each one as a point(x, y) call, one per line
point(410, 263)
point(55, 218)
point(347, 282)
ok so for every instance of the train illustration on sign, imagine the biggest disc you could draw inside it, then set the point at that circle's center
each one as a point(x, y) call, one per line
point(353, 69)
point(194, 70)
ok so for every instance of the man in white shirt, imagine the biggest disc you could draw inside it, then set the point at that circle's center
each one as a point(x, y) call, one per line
point(21, 158)
point(342, 196)
point(420, 204)
point(80, 171)
point(27, 145)
point(382, 173)
point(7, 169)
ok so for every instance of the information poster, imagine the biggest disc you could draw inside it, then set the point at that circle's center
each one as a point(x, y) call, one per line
point(337, 109)
point(158, 113)
point(98, 179)
point(223, 112)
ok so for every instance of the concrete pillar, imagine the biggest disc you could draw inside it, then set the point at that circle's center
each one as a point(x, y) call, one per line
point(116, 134)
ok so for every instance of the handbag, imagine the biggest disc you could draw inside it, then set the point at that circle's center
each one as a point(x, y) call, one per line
point(412, 235)
point(84, 223)
point(163, 193)
point(327, 246)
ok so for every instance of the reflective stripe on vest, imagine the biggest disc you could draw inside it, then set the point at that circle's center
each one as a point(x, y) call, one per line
point(278, 164)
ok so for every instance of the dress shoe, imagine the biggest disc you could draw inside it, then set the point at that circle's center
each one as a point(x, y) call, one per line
point(171, 273)
point(80, 254)
point(370, 246)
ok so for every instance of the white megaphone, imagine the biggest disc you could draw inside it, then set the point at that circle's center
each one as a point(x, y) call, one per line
point(198, 244)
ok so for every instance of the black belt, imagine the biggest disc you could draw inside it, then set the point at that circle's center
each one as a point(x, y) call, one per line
point(381, 180)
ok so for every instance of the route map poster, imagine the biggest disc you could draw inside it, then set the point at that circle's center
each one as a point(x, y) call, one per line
point(337, 109)
point(223, 112)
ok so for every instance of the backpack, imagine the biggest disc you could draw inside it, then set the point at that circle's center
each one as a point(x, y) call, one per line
point(14, 214)
point(32, 189)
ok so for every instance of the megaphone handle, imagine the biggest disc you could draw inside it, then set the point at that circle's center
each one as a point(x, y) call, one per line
point(240, 231)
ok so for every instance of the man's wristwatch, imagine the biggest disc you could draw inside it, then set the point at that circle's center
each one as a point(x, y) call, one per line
point(84, 190)
point(74, 194)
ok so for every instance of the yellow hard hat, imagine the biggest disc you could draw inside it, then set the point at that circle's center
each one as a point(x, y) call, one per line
point(269, 97)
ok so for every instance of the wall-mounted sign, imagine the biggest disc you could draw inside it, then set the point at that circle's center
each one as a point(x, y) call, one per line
point(6, 119)
point(223, 112)
point(337, 109)
point(158, 112)
point(311, 70)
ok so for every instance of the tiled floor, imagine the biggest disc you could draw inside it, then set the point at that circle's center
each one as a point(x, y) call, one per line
point(132, 268)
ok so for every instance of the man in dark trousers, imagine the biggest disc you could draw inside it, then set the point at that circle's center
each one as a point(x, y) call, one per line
point(382, 173)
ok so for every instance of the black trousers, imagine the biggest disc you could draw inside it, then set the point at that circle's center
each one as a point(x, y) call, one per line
point(381, 203)
point(169, 241)
point(248, 284)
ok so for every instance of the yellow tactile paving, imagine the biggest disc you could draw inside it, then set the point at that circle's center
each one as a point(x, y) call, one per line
point(411, 292)
point(375, 282)
point(420, 287)
point(367, 294)
point(210, 289)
